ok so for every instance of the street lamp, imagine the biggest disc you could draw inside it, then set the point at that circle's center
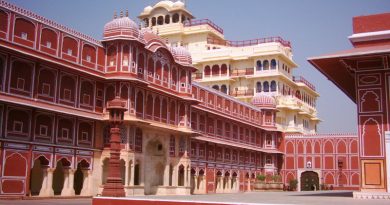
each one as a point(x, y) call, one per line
point(114, 186)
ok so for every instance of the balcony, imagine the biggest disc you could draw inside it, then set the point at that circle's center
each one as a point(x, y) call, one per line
point(249, 42)
point(242, 93)
point(300, 79)
point(198, 22)
point(241, 72)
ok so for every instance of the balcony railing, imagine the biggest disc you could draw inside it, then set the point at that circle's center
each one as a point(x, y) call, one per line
point(249, 42)
point(197, 22)
point(241, 72)
point(241, 93)
point(300, 79)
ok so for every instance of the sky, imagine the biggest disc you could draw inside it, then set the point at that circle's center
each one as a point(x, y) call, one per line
point(314, 28)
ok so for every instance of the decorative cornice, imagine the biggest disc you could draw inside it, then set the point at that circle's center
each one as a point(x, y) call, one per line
point(43, 20)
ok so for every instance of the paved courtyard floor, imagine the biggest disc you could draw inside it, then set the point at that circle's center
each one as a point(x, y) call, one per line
point(312, 198)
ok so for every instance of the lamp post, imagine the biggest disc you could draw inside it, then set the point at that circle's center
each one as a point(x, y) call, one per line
point(114, 186)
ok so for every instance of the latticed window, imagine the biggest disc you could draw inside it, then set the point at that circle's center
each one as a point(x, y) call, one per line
point(138, 140)
point(106, 134)
point(123, 134)
point(172, 143)
point(182, 145)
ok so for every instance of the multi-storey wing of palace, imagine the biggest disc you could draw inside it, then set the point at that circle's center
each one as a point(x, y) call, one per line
point(204, 114)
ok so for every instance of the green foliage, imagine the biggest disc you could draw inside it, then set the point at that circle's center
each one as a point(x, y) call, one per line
point(260, 177)
point(293, 184)
point(276, 178)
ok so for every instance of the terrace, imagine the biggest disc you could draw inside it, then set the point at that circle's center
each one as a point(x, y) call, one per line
point(198, 22)
point(251, 42)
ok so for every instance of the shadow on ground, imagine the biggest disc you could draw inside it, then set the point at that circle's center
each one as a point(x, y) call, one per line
point(326, 194)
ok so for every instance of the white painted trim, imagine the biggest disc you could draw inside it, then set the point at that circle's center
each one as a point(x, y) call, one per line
point(370, 36)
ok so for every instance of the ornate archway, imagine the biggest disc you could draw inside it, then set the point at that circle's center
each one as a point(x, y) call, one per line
point(309, 181)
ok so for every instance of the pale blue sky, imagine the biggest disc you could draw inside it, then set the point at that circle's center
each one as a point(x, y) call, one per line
point(314, 27)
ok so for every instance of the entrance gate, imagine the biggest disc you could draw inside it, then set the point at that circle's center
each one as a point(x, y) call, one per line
point(309, 181)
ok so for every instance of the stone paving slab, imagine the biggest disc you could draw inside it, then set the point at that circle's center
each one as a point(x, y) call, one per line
point(262, 198)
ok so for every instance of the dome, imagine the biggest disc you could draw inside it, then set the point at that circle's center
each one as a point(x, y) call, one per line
point(148, 9)
point(181, 54)
point(264, 101)
point(122, 27)
point(178, 4)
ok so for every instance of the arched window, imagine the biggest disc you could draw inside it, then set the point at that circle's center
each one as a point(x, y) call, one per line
point(266, 86)
point(175, 18)
point(223, 69)
point(215, 70)
point(153, 21)
point(216, 87)
point(258, 65)
point(266, 65)
point(146, 22)
point(140, 104)
point(160, 20)
point(111, 56)
point(273, 86)
point(183, 18)
point(273, 64)
point(258, 87)
point(207, 71)
point(224, 89)
point(167, 19)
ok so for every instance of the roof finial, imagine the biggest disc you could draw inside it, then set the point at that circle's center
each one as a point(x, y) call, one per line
point(115, 15)
point(121, 14)
point(127, 12)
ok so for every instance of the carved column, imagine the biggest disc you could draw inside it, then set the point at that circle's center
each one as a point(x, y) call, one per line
point(47, 184)
point(68, 189)
point(114, 186)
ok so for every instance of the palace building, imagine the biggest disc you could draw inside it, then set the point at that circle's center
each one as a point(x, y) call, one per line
point(247, 70)
point(59, 86)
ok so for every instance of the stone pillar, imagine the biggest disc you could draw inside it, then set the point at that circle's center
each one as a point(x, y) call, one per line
point(68, 189)
point(47, 184)
point(127, 162)
point(87, 186)
point(114, 186)
point(175, 181)
point(166, 175)
point(196, 184)
point(132, 174)
point(185, 177)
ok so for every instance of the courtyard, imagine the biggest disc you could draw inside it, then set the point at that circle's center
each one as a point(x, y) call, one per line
point(312, 198)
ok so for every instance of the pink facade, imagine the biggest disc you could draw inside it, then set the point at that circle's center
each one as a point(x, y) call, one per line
point(334, 158)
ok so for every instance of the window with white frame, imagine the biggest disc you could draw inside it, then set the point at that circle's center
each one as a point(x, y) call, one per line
point(48, 44)
point(24, 35)
point(211, 155)
point(125, 61)
point(88, 58)
point(70, 52)
point(201, 152)
point(20, 84)
point(268, 160)
point(84, 136)
point(99, 93)
point(86, 99)
point(65, 133)
point(43, 129)
point(67, 94)
point(17, 126)
point(45, 89)
point(269, 140)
